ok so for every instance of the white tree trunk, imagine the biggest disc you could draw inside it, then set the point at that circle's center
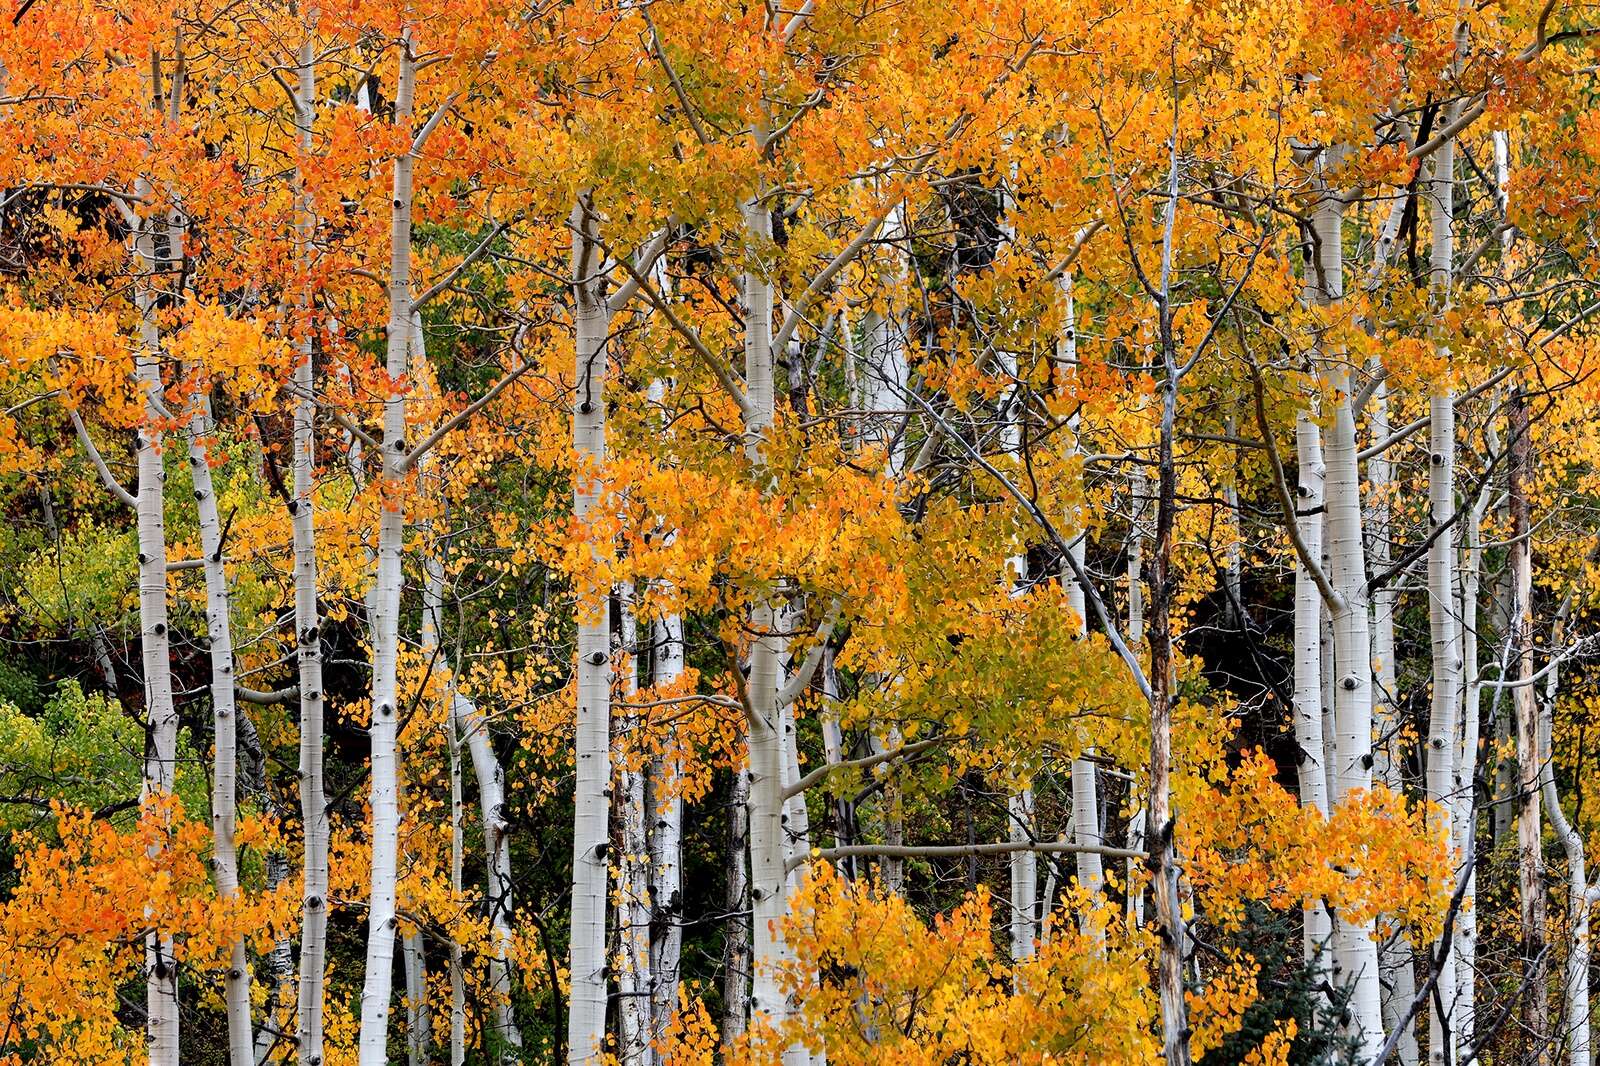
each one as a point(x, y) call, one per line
point(796, 818)
point(737, 938)
point(1463, 817)
point(1442, 778)
point(458, 984)
point(1396, 959)
point(418, 1028)
point(1330, 724)
point(280, 965)
point(1019, 806)
point(385, 605)
point(1139, 495)
point(1575, 977)
point(666, 848)
point(1024, 875)
point(1530, 847)
point(633, 871)
point(224, 787)
point(467, 726)
point(768, 878)
point(664, 813)
point(1085, 784)
point(1318, 925)
point(307, 622)
point(586, 1020)
point(1444, 632)
point(1355, 955)
point(160, 767)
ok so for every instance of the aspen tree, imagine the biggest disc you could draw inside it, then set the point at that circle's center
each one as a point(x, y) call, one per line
point(224, 790)
point(1442, 607)
point(1355, 955)
point(664, 809)
point(307, 620)
point(1313, 754)
point(591, 826)
point(1530, 857)
point(632, 893)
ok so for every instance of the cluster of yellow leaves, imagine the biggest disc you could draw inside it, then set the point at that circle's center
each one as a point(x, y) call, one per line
point(873, 983)
point(73, 929)
point(1373, 856)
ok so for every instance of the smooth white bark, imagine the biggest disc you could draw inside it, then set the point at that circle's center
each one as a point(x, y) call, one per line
point(1019, 805)
point(586, 1020)
point(1575, 976)
point(384, 603)
point(768, 877)
point(225, 763)
point(666, 847)
point(1318, 924)
point(1464, 816)
point(307, 621)
point(1442, 779)
point(1355, 954)
point(1024, 875)
point(160, 767)
point(633, 873)
point(458, 984)
point(419, 1036)
point(1444, 632)
point(1086, 812)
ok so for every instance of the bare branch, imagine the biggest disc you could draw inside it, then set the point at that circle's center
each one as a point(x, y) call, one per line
point(100, 464)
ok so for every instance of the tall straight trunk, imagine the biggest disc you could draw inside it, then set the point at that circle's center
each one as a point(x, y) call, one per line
point(666, 848)
point(419, 1035)
point(1318, 925)
point(1085, 782)
point(160, 766)
point(1396, 959)
point(633, 873)
point(796, 817)
point(1355, 954)
point(664, 810)
point(1575, 976)
point(1442, 779)
point(768, 880)
point(1330, 723)
point(1161, 820)
point(385, 602)
point(458, 984)
point(1024, 875)
point(280, 973)
point(737, 936)
point(1442, 605)
point(307, 623)
point(586, 1019)
point(1019, 806)
point(225, 763)
point(1530, 857)
point(467, 726)
point(1464, 817)
point(1380, 477)
point(1355, 950)
point(1139, 494)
